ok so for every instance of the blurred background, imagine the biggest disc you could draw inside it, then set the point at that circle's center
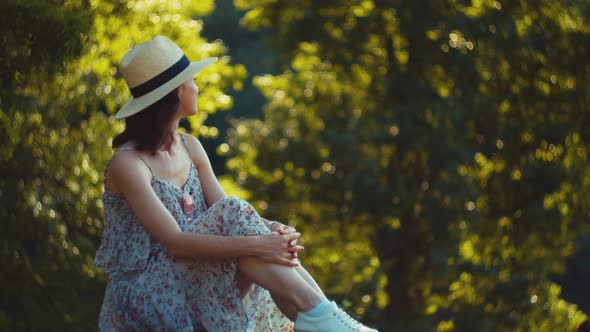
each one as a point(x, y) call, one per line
point(435, 154)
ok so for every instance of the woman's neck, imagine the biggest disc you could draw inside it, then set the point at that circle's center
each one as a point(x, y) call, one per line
point(167, 147)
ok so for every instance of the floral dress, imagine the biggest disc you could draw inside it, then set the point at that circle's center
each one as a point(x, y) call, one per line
point(150, 290)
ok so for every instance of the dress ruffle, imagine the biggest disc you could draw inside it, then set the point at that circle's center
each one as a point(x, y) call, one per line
point(125, 244)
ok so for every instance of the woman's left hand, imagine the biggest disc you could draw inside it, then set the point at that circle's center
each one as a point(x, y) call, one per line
point(283, 229)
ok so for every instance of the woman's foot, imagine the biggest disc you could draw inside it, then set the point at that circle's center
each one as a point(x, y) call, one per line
point(331, 319)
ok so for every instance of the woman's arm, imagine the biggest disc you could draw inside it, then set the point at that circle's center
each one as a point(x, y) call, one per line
point(129, 174)
point(211, 187)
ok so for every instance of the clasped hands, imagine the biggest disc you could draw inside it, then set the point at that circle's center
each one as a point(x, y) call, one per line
point(281, 243)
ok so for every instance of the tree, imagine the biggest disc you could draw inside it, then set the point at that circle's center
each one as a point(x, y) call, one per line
point(432, 154)
point(246, 48)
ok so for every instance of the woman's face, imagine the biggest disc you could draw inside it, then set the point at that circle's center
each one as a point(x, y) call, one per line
point(188, 98)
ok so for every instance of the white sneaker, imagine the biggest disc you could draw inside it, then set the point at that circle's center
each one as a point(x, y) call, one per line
point(333, 319)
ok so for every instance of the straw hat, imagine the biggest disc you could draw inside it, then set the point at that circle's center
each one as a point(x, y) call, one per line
point(152, 70)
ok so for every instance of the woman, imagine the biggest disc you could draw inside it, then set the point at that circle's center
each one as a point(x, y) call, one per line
point(181, 255)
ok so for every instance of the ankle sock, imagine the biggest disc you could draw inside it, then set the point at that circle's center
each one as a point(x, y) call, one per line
point(318, 309)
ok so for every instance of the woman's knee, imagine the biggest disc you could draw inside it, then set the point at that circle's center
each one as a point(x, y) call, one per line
point(233, 202)
point(229, 206)
point(237, 207)
point(236, 217)
point(234, 205)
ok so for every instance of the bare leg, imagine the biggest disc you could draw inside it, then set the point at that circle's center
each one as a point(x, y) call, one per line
point(243, 283)
point(307, 277)
point(286, 307)
point(284, 303)
point(291, 292)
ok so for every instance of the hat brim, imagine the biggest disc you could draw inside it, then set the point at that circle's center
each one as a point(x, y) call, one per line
point(134, 105)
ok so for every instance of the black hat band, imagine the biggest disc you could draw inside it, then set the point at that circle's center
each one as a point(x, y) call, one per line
point(160, 79)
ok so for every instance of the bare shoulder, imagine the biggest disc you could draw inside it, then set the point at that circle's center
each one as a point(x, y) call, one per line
point(126, 168)
point(195, 147)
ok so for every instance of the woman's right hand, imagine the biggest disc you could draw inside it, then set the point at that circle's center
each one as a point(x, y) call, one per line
point(274, 248)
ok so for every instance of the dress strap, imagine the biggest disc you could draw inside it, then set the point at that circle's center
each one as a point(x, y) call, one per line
point(128, 148)
point(188, 151)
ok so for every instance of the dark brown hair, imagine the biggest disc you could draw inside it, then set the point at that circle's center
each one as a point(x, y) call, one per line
point(150, 127)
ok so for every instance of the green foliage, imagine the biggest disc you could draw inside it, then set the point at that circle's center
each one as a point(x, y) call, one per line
point(432, 155)
point(245, 47)
point(60, 85)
